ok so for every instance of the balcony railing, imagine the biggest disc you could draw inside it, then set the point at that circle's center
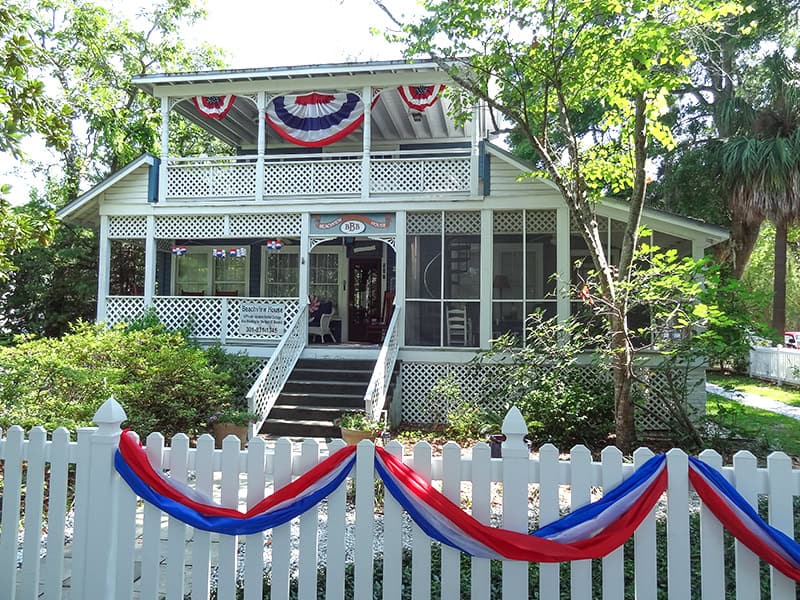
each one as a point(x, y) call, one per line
point(339, 174)
point(210, 317)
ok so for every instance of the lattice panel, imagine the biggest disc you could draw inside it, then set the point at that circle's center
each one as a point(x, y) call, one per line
point(427, 222)
point(313, 178)
point(540, 221)
point(387, 176)
point(287, 179)
point(127, 227)
point(450, 175)
point(462, 222)
point(507, 221)
point(190, 227)
point(200, 315)
point(123, 309)
point(654, 415)
point(233, 181)
point(602, 224)
point(265, 225)
point(337, 177)
point(234, 315)
point(211, 180)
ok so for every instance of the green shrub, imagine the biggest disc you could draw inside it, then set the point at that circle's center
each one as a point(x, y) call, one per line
point(164, 382)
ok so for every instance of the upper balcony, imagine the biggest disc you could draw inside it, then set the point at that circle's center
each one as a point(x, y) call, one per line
point(365, 130)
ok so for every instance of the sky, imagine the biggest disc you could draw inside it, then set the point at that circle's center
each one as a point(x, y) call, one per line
point(260, 33)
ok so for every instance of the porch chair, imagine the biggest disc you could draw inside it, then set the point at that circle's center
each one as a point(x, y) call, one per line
point(232, 294)
point(378, 328)
point(185, 293)
point(459, 326)
point(324, 327)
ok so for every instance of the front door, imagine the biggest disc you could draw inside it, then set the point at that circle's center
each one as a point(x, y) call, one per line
point(364, 299)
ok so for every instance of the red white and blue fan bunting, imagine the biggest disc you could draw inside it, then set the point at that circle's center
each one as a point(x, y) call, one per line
point(420, 97)
point(237, 252)
point(218, 252)
point(179, 250)
point(213, 107)
point(274, 244)
point(315, 119)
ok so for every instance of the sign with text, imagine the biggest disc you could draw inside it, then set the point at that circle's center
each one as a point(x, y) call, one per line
point(257, 319)
point(352, 224)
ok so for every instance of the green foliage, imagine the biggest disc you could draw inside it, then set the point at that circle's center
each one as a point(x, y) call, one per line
point(164, 382)
point(540, 379)
point(358, 420)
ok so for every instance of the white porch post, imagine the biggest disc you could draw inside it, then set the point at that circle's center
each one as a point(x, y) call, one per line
point(698, 250)
point(474, 155)
point(162, 172)
point(400, 272)
point(563, 263)
point(261, 101)
point(366, 98)
point(103, 269)
point(150, 261)
point(305, 250)
point(487, 250)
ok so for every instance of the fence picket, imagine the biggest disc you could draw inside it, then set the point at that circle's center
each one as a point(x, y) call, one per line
point(12, 486)
point(481, 510)
point(549, 484)
point(81, 519)
point(747, 572)
point(151, 530)
point(712, 549)
point(254, 544)
point(392, 537)
point(613, 573)
point(335, 544)
point(32, 528)
point(56, 513)
point(451, 488)
point(678, 550)
point(307, 576)
point(201, 546)
point(644, 544)
point(781, 516)
point(420, 542)
point(176, 531)
point(281, 550)
point(364, 528)
point(228, 544)
point(580, 495)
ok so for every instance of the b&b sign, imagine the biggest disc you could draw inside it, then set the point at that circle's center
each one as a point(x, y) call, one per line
point(261, 319)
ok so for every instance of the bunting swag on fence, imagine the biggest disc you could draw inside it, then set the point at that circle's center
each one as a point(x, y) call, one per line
point(592, 531)
point(315, 119)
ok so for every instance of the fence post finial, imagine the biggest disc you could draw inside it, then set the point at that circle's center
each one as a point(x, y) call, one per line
point(109, 416)
point(514, 428)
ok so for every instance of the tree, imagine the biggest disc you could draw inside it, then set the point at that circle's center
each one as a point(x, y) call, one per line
point(539, 63)
point(763, 168)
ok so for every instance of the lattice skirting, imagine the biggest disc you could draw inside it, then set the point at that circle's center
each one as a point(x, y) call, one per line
point(419, 378)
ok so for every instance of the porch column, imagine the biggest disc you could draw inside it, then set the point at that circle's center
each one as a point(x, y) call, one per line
point(305, 249)
point(162, 173)
point(366, 98)
point(261, 101)
point(474, 155)
point(698, 250)
point(103, 269)
point(562, 263)
point(487, 250)
point(400, 272)
point(150, 261)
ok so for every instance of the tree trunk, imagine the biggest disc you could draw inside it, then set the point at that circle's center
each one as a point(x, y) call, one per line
point(779, 281)
point(743, 239)
point(621, 366)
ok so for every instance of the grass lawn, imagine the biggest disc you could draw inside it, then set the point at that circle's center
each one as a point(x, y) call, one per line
point(769, 431)
point(785, 394)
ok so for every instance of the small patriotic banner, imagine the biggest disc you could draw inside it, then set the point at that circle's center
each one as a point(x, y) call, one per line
point(316, 119)
point(218, 252)
point(274, 244)
point(420, 97)
point(213, 107)
point(237, 252)
point(179, 250)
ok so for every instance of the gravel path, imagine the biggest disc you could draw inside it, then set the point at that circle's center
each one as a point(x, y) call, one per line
point(756, 401)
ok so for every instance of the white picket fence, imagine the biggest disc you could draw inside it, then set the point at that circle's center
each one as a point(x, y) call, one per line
point(123, 549)
point(781, 365)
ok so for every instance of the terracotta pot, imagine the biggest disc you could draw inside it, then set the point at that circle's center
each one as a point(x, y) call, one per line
point(353, 436)
point(223, 430)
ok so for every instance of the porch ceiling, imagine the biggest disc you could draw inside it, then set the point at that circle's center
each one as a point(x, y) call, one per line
point(392, 123)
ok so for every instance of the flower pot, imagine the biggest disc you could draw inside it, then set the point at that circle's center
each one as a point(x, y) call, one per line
point(353, 436)
point(223, 430)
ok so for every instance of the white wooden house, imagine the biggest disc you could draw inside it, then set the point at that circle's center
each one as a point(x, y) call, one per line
point(364, 205)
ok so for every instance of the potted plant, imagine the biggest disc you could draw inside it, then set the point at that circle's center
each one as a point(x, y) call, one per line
point(231, 420)
point(356, 426)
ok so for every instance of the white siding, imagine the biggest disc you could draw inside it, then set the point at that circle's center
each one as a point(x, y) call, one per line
point(129, 190)
point(505, 182)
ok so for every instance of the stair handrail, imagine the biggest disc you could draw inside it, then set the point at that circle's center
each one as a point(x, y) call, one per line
point(269, 384)
point(375, 396)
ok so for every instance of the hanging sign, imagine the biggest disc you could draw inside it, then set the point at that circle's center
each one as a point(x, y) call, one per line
point(352, 224)
point(256, 319)
point(420, 97)
point(213, 107)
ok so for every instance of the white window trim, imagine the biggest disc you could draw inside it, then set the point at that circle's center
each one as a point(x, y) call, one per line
point(211, 271)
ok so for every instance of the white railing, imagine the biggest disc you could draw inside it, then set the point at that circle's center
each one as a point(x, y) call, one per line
point(329, 174)
point(775, 364)
point(267, 387)
point(375, 396)
point(216, 318)
point(124, 548)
